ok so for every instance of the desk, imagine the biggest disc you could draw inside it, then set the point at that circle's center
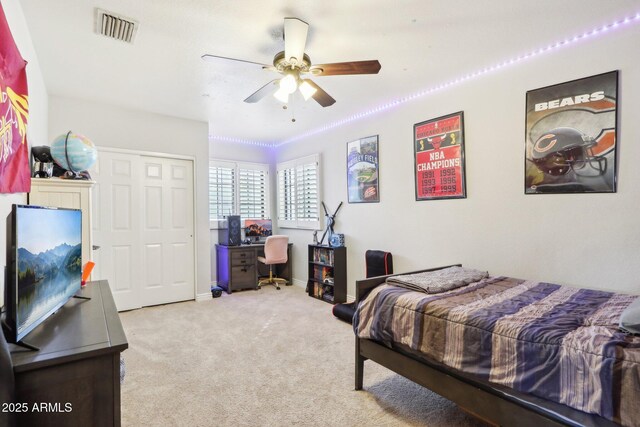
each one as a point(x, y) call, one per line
point(237, 267)
point(78, 364)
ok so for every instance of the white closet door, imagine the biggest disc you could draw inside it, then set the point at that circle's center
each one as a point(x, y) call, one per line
point(116, 226)
point(143, 222)
point(167, 231)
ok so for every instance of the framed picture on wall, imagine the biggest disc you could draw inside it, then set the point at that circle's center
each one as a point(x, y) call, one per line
point(363, 170)
point(570, 140)
point(438, 145)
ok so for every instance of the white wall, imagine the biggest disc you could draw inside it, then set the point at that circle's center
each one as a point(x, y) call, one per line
point(38, 110)
point(235, 151)
point(240, 152)
point(586, 240)
point(109, 126)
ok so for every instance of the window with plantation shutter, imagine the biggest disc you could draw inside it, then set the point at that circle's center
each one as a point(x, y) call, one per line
point(287, 194)
point(307, 189)
point(222, 195)
point(252, 193)
point(238, 189)
point(299, 193)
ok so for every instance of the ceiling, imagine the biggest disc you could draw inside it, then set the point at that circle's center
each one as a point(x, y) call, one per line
point(420, 44)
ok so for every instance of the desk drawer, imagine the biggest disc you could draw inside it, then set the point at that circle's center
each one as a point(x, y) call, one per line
point(243, 258)
point(243, 277)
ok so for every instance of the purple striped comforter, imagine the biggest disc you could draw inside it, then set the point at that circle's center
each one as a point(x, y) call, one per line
point(555, 342)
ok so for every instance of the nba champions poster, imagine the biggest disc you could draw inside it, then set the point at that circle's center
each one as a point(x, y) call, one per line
point(571, 136)
point(362, 170)
point(439, 158)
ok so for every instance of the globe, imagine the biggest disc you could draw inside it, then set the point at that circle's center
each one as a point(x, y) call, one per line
point(80, 151)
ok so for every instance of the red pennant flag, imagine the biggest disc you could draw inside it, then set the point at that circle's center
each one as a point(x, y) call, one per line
point(15, 173)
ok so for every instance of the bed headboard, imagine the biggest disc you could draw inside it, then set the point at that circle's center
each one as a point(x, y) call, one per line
point(364, 286)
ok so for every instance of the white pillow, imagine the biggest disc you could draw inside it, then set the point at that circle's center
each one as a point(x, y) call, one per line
point(630, 318)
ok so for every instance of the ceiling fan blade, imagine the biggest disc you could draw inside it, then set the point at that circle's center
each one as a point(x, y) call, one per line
point(295, 38)
point(320, 96)
point(214, 58)
point(265, 90)
point(346, 68)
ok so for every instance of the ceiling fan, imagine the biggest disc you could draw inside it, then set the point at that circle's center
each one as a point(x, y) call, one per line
point(293, 64)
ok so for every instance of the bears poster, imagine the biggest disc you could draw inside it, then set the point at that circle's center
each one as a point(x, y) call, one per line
point(571, 136)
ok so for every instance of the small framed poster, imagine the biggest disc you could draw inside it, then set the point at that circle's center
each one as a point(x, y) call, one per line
point(363, 170)
point(570, 140)
point(438, 145)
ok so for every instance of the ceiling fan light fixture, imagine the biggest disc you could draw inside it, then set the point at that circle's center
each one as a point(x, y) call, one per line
point(289, 84)
point(282, 95)
point(292, 62)
point(307, 90)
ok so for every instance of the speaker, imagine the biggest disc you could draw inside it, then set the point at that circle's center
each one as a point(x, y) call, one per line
point(231, 234)
point(216, 291)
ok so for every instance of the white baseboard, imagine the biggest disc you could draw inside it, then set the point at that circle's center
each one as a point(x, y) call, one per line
point(300, 283)
point(203, 297)
point(350, 298)
point(207, 295)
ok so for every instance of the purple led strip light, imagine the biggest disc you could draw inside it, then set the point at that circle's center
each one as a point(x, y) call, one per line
point(242, 141)
point(563, 43)
point(566, 42)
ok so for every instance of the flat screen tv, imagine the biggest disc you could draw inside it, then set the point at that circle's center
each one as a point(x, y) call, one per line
point(44, 265)
point(257, 229)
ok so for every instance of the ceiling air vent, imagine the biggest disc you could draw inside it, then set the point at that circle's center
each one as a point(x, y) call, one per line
point(115, 26)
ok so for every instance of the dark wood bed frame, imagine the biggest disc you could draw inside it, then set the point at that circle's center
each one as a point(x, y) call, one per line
point(491, 403)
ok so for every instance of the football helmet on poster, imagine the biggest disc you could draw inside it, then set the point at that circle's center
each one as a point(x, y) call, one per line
point(566, 149)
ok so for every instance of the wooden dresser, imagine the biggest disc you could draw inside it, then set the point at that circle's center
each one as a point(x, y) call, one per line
point(74, 378)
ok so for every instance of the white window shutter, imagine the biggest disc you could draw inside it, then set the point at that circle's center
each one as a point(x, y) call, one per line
point(299, 193)
point(287, 194)
point(222, 200)
point(238, 189)
point(307, 192)
point(252, 192)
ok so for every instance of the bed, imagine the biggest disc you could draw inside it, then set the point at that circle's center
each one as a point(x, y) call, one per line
point(414, 334)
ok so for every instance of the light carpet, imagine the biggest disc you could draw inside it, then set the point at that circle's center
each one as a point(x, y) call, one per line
point(262, 358)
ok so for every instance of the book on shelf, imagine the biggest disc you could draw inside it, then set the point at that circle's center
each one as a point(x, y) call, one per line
point(321, 273)
point(319, 290)
point(323, 256)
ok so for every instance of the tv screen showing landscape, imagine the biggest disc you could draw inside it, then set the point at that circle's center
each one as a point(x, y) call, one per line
point(48, 262)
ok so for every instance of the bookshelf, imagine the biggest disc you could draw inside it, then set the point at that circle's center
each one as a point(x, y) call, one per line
point(327, 273)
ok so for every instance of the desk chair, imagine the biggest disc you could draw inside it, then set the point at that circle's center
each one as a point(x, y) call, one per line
point(275, 252)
